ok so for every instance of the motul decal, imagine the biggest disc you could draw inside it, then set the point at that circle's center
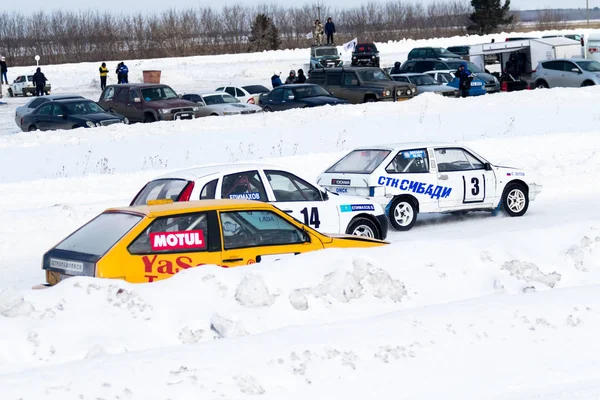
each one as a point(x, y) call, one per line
point(177, 240)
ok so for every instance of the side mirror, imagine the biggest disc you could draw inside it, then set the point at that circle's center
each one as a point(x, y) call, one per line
point(291, 97)
point(325, 195)
point(137, 100)
point(354, 82)
point(488, 166)
point(576, 70)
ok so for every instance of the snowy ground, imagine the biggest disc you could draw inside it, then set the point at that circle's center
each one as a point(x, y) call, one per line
point(474, 307)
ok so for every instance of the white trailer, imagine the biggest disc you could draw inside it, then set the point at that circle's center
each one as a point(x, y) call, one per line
point(593, 47)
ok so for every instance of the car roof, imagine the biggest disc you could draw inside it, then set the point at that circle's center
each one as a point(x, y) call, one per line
point(200, 172)
point(158, 210)
point(139, 85)
point(408, 145)
point(409, 74)
point(445, 71)
point(71, 100)
point(60, 97)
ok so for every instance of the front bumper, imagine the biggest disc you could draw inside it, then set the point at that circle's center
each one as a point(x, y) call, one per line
point(178, 115)
point(384, 225)
point(534, 190)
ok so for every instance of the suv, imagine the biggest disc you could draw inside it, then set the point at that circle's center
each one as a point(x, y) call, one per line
point(362, 84)
point(141, 102)
point(324, 56)
point(570, 72)
point(365, 54)
point(24, 85)
point(492, 85)
point(432, 52)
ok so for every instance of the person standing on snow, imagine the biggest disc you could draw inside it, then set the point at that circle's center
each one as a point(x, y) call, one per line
point(3, 70)
point(318, 32)
point(329, 30)
point(275, 80)
point(291, 78)
point(464, 78)
point(124, 72)
point(40, 81)
point(103, 74)
point(301, 78)
point(396, 69)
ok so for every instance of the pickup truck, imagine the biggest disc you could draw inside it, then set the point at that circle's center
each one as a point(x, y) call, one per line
point(361, 84)
point(23, 85)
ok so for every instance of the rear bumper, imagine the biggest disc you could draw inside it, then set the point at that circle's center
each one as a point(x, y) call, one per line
point(384, 225)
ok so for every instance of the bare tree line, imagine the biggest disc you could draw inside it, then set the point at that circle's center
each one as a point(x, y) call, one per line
point(66, 36)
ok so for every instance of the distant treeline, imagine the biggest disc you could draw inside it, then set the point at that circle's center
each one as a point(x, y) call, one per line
point(64, 36)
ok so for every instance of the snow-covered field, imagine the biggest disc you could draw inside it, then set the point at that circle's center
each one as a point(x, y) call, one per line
point(474, 307)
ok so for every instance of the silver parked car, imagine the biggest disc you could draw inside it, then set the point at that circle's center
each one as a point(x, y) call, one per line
point(220, 103)
point(566, 72)
point(34, 103)
point(426, 83)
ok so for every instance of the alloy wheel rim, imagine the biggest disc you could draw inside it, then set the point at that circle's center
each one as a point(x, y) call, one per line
point(403, 214)
point(516, 200)
point(363, 230)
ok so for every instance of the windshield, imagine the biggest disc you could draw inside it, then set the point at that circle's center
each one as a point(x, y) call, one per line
point(310, 91)
point(423, 80)
point(254, 89)
point(590, 66)
point(158, 93)
point(30, 78)
point(83, 107)
point(326, 52)
point(470, 66)
point(373, 75)
point(444, 52)
point(220, 99)
point(360, 161)
point(100, 234)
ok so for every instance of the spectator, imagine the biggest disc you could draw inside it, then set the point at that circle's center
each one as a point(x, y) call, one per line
point(396, 69)
point(464, 78)
point(291, 78)
point(124, 73)
point(318, 32)
point(103, 74)
point(301, 78)
point(329, 30)
point(3, 70)
point(40, 81)
point(275, 80)
point(118, 71)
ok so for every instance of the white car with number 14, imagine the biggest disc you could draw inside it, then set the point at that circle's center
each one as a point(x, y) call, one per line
point(412, 178)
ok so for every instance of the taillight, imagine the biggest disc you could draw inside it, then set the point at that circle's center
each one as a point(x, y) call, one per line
point(187, 192)
point(504, 86)
point(533, 71)
point(251, 100)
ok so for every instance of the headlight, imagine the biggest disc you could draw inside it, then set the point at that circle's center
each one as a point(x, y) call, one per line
point(399, 93)
point(126, 121)
point(408, 92)
point(386, 92)
point(196, 108)
point(163, 110)
point(90, 124)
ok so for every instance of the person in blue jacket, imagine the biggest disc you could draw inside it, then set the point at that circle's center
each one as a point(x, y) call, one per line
point(275, 80)
point(329, 30)
point(465, 77)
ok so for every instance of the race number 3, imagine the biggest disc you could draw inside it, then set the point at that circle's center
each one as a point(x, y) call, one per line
point(311, 217)
point(475, 186)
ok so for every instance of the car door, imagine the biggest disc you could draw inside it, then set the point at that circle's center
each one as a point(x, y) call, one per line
point(41, 117)
point(552, 73)
point(119, 102)
point(274, 99)
point(251, 236)
point(466, 180)
point(289, 100)
point(134, 109)
point(174, 243)
point(58, 118)
point(350, 90)
point(334, 83)
point(571, 78)
point(302, 201)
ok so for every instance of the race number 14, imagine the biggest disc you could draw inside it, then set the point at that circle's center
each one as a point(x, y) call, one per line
point(311, 217)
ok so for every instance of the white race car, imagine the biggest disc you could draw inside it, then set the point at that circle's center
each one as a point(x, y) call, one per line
point(308, 203)
point(412, 178)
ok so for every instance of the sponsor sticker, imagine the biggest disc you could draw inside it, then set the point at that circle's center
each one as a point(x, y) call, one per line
point(341, 182)
point(414, 154)
point(357, 207)
point(177, 240)
point(515, 174)
point(341, 190)
point(246, 196)
point(71, 266)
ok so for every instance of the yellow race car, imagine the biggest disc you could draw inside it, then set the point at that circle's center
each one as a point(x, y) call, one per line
point(152, 242)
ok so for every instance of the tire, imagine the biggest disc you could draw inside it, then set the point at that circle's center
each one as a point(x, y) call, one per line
point(75, 127)
point(370, 99)
point(267, 109)
point(214, 115)
point(32, 128)
point(148, 118)
point(24, 93)
point(515, 199)
point(541, 85)
point(587, 83)
point(364, 227)
point(10, 93)
point(402, 214)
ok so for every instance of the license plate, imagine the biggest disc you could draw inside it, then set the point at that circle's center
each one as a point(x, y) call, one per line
point(476, 84)
point(185, 115)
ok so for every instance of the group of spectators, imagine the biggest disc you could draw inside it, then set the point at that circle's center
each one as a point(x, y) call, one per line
point(122, 74)
point(292, 78)
point(318, 31)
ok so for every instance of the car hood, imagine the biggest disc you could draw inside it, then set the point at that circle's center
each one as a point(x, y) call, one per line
point(318, 100)
point(171, 103)
point(97, 117)
point(435, 88)
point(386, 84)
point(232, 107)
point(484, 76)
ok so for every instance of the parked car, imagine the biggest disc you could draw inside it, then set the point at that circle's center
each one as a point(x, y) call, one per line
point(219, 103)
point(23, 85)
point(297, 96)
point(245, 94)
point(362, 84)
point(365, 54)
point(492, 85)
point(324, 56)
point(432, 52)
point(38, 101)
point(153, 242)
point(443, 77)
point(145, 102)
point(323, 211)
point(566, 72)
point(447, 77)
point(426, 84)
point(69, 114)
point(412, 178)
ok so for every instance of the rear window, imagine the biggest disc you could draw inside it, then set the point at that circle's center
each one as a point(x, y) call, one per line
point(360, 162)
point(100, 234)
point(254, 89)
point(160, 189)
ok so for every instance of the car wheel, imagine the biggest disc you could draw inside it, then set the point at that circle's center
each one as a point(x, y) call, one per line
point(214, 115)
point(24, 93)
point(75, 127)
point(32, 128)
point(370, 99)
point(402, 214)
point(541, 85)
point(363, 227)
point(10, 93)
point(515, 199)
point(267, 109)
point(148, 118)
point(587, 83)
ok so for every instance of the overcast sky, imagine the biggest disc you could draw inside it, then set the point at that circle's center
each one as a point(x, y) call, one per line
point(120, 6)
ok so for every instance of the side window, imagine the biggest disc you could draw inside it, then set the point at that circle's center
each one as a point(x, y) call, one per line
point(37, 102)
point(132, 95)
point(239, 93)
point(174, 234)
point(257, 228)
point(568, 66)
point(46, 109)
point(408, 66)
point(449, 160)
point(288, 94)
point(230, 90)
point(409, 162)
point(108, 94)
point(400, 79)
point(438, 66)
point(350, 79)
point(288, 187)
point(334, 79)
point(431, 53)
point(276, 95)
point(219, 89)
point(553, 65)
point(57, 110)
point(424, 66)
point(243, 185)
point(122, 96)
point(209, 190)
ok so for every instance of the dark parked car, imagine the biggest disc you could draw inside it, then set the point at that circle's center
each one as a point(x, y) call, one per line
point(69, 114)
point(144, 102)
point(365, 54)
point(432, 52)
point(297, 96)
